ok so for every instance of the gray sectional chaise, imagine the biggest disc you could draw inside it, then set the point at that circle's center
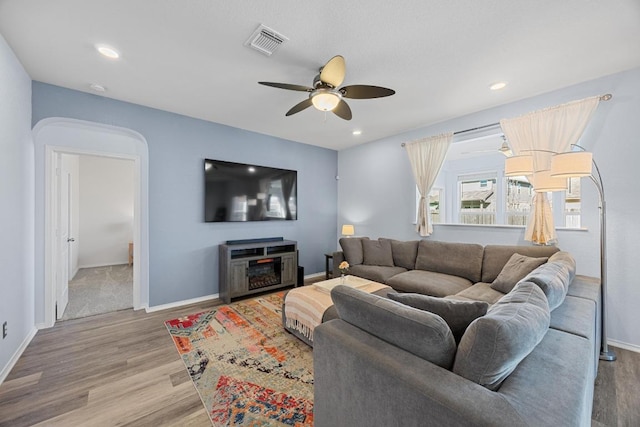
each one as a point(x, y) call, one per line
point(530, 360)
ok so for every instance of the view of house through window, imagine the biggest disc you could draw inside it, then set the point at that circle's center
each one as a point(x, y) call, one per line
point(477, 200)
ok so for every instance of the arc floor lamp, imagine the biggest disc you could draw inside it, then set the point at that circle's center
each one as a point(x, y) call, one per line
point(572, 164)
point(581, 164)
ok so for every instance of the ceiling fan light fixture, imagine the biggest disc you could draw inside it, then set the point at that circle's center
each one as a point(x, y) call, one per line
point(325, 100)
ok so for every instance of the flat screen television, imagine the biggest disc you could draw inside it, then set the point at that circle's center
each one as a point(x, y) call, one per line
point(236, 192)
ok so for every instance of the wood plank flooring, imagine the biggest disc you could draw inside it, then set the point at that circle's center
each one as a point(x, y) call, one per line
point(119, 368)
point(122, 369)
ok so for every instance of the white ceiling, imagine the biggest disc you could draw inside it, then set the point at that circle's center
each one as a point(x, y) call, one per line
point(189, 57)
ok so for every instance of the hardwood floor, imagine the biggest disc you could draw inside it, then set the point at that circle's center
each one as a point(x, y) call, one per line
point(119, 368)
point(122, 368)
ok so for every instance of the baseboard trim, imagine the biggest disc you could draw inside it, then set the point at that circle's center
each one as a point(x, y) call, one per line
point(111, 264)
point(181, 303)
point(624, 345)
point(14, 359)
point(314, 275)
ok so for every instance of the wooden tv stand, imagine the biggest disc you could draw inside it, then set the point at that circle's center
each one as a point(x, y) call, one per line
point(249, 268)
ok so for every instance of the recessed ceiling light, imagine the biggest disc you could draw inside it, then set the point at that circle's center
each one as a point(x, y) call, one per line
point(498, 86)
point(97, 87)
point(108, 51)
point(357, 132)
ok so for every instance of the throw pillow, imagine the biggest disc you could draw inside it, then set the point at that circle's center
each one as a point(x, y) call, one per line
point(554, 279)
point(419, 332)
point(377, 252)
point(457, 314)
point(404, 253)
point(493, 345)
point(515, 270)
point(352, 249)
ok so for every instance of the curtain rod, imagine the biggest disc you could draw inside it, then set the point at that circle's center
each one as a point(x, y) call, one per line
point(605, 97)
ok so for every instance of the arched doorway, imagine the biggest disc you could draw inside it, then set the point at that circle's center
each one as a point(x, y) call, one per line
point(53, 136)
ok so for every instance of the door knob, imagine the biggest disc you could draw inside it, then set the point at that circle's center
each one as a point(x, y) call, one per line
point(71, 239)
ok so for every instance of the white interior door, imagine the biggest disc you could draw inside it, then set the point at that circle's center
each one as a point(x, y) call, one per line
point(64, 240)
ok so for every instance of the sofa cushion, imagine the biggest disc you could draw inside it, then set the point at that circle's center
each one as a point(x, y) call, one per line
point(419, 332)
point(352, 249)
point(457, 259)
point(479, 292)
point(377, 252)
point(496, 256)
point(404, 253)
point(376, 273)
point(494, 344)
point(568, 260)
point(428, 283)
point(515, 270)
point(554, 279)
point(457, 314)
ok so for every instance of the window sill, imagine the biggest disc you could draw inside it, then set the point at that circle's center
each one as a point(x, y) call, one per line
point(521, 227)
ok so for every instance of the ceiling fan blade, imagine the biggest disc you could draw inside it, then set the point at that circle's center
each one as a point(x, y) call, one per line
point(333, 72)
point(342, 110)
point(287, 86)
point(365, 92)
point(299, 107)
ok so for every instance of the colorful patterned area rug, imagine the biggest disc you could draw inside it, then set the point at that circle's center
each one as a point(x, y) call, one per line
point(247, 369)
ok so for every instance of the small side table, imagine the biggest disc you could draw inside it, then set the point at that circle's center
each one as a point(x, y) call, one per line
point(328, 274)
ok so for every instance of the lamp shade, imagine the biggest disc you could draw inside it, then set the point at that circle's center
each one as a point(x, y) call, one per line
point(325, 101)
point(571, 164)
point(518, 165)
point(348, 230)
point(543, 181)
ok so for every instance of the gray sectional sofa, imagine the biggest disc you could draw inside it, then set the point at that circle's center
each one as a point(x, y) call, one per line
point(530, 360)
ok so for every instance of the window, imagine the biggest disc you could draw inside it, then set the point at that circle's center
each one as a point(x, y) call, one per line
point(435, 207)
point(572, 204)
point(477, 199)
point(518, 200)
point(472, 189)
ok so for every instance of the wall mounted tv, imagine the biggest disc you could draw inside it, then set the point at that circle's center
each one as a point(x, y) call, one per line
point(236, 192)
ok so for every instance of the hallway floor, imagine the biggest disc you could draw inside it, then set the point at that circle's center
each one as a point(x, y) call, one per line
point(100, 290)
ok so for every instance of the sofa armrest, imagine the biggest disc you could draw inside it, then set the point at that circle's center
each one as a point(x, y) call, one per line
point(361, 380)
point(338, 257)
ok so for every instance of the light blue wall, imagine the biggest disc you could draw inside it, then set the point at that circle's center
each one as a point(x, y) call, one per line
point(183, 259)
point(16, 207)
point(376, 191)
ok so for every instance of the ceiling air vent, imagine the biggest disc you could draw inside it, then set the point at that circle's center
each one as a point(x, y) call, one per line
point(265, 40)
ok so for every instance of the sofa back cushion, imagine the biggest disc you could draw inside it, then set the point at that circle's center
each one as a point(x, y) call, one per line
point(554, 279)
point(377, 252)
point(457, 259)
point(404, 253)
point(421, 333)
point(457, 314)
point(496, 256)
point(515, 270)
point(352, 249)
point(493, 345)
point(567, 259)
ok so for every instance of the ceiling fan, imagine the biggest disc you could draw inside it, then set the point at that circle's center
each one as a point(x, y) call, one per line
point(504, 149)
point(325, 94)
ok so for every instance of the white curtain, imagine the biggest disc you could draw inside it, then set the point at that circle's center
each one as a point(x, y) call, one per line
point(427, 156)
point(542, 133)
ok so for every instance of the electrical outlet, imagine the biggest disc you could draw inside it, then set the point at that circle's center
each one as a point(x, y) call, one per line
point(4, 330)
